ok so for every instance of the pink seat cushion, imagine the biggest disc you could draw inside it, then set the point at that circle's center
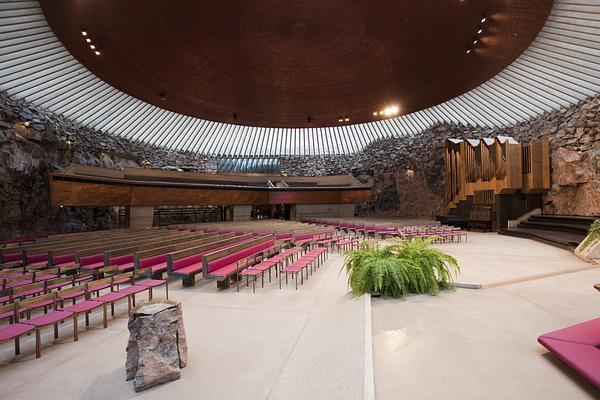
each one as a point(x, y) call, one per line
point(47, 319)
point(96, 265)
point(121, 281)
point(189, 270)
point(7, 314)
point(133, 289)
point(14, 330)
point(226, 270)
point(583, 358)
point(159, 267)
point(19, 283)
point(83, 306)
point(112, 296)
point(584, 333)
point(151, 282)
point(125, 267)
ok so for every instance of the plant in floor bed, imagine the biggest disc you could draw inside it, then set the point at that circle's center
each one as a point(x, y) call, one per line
point(409, 266)
point(593, 234)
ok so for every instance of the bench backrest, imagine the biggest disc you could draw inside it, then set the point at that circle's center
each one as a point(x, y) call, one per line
point(217, 259)
point(156, 237)
point(162, 251)
point(127, 253)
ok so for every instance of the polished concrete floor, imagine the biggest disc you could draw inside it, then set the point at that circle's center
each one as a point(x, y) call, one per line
point(275, 344)
point(481, 344)
point(310, 343)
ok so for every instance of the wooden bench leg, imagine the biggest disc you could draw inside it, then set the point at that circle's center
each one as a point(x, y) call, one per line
point(56, 331)
point(157, 275)
point(75, 329)
point(38, 344)
point(105, 315)
point(189, 280)
point(17, 345)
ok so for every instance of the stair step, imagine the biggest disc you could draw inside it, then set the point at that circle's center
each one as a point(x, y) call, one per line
point(563, 240)
point(562, 227)
point(568, 219)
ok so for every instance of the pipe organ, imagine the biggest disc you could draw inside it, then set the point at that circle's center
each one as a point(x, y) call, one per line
point(478, 171)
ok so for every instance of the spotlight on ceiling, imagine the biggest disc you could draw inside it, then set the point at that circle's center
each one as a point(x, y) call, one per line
point(88, 40)
point(391, 110)
point(475, 41)
point(92, 46)
point(97, 53)
point(346, 119)
point(483, 20)
point(162, 96)
point(375, 113)
point(479, 31)
point(84, 33)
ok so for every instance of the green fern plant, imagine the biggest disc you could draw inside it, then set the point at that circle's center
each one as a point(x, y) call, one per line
point(396, 270)
point(593, 234)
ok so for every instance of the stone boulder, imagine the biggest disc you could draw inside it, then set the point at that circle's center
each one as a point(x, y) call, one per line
point(570, 167)
point(157, 347)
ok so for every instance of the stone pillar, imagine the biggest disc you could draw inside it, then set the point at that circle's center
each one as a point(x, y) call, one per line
point(157, 347)
point(141, 217)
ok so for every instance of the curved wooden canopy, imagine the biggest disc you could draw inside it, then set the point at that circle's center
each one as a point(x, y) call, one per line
point(301, 63)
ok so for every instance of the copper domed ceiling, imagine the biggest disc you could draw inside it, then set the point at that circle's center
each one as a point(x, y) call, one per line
point(300, 63)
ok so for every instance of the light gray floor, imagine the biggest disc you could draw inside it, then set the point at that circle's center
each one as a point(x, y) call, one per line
point(276, 344)
point(481, 344)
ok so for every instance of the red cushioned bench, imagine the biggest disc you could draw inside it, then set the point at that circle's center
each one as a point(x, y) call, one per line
point(578, 346)
point(222, 265)
point(306, 263)
point(187, 263)
point(272, 261)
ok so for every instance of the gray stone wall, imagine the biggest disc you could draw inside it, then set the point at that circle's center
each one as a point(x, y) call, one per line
point(406, 173)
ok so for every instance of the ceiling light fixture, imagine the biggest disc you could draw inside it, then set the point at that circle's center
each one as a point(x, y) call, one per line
point(479, 31)
point(483, 20)
point(475, 41)
point(92, 46)
point(97, 52)
point(88, 40)
point(346, 119)
point(84, 33)
point(468, 51)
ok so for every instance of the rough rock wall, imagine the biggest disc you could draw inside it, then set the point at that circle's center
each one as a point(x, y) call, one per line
point(406, 173)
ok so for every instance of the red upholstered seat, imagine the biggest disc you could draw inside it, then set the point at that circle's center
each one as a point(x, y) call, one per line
point(112, 296)
point(95, 265)
point(14, 330)
point(189, 270)
point(133, 289)
point(159, 267)
point(7, 314)
point(47, 319)
point(226, 270)
point(18, 283)
point(151, 282)
point(83, 306)
point(577, 346)
point(126, 267)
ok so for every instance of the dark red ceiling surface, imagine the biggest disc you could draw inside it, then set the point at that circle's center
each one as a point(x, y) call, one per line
point(278, 63)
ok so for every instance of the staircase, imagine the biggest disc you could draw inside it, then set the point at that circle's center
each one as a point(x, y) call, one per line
point(565, 231)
